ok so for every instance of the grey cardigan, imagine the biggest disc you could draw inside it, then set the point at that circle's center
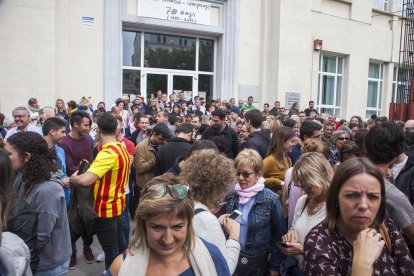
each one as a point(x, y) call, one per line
point(53, 244)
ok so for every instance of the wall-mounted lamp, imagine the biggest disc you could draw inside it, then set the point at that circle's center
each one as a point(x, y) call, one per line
point(317, 44)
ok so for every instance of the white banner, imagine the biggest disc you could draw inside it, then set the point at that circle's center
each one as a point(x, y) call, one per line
point(190, 11)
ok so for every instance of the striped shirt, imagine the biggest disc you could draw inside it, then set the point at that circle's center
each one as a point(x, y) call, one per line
point(112, 165)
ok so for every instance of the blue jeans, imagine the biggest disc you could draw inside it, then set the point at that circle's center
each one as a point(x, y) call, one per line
point(111, 237)
point(125, 220)
point(56, 271)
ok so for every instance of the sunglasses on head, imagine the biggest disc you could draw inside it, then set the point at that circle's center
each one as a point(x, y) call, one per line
point(343, 138)
point(177, 191)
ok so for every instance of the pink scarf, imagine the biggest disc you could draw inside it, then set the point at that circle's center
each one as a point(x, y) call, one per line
point(246, 194)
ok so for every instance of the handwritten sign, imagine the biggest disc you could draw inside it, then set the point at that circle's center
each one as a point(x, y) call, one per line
point(189, 11)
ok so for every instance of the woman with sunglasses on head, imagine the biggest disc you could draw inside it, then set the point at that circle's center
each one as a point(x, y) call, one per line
point(163, 242)
point(261, 222)
point(338, 138)
point(356, 238)
point(211, 176)
point(277, 161)
point(312, 173)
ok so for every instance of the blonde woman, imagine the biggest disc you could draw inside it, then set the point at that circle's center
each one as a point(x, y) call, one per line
point(313, 174)
point(60, 110)
point(163, 241)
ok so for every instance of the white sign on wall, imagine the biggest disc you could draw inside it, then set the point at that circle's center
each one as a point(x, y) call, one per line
point(292, 97)
point(190, 11)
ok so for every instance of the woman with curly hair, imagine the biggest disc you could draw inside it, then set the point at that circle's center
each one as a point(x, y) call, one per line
point(211, 176)
point(30, 156)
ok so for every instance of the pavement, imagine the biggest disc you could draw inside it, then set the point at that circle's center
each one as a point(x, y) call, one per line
point(84, 269)
point(95, 269)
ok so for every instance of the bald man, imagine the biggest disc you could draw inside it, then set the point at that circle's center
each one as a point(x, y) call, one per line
point(409, 124)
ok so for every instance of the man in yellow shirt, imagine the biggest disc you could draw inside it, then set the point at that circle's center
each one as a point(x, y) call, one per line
point(108, 174)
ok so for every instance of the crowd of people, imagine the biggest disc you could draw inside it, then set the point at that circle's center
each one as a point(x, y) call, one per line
point(213, 188)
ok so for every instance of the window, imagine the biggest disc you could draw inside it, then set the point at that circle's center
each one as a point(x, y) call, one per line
point(375, 84)
point(330, 85)
point(380, 5)
point(400, 85)
point(156, 61)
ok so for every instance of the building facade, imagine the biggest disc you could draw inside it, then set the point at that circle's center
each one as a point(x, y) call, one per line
point(343, 54)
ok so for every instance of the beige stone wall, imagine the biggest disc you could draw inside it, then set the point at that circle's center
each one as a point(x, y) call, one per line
point(46, 53)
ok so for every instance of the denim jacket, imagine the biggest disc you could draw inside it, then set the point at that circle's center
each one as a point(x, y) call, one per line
point(266, 224)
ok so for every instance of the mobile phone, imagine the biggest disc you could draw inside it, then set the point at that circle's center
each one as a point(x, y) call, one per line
point(83, 167)
point(235, 214)
point(282, 243)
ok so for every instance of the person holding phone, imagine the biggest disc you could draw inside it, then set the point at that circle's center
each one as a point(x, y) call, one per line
point(210, 176)
point(312, 173)
point(262, 223)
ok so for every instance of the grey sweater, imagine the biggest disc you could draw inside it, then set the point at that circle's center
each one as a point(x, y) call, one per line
point(53, 238)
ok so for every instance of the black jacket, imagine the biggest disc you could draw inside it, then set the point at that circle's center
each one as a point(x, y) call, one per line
point(22, 221)
point(175, 148)
point(230, 136)
point(259, 141)
point(405, 179)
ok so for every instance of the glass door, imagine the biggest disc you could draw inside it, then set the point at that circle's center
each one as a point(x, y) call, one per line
point(155, 82)
point(168, 82)
point(183, 83)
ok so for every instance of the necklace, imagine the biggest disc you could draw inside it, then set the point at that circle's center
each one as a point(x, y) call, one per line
point(313, 208)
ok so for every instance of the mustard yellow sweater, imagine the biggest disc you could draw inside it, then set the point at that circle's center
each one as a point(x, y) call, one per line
point(273, 174)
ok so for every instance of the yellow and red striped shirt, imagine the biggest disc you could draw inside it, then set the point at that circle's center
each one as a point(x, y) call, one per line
point(112, 165)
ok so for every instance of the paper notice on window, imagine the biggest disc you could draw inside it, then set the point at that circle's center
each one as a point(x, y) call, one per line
point(188, 11)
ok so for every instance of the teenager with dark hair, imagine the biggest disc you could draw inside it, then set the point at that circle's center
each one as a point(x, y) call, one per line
point(383, 143)
point(259, 139)
point(78, 146)
point(220, 128)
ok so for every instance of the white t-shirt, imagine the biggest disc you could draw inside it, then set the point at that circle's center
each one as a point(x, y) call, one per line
point(303, 222)
point(396, 169)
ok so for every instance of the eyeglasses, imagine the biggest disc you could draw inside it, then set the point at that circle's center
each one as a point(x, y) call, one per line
point(343, 138)
point(244, 174)
point(177, 191)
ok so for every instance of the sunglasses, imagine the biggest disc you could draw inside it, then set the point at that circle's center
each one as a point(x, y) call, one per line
point(244, 174)
point(177, 191)
point(343, 138)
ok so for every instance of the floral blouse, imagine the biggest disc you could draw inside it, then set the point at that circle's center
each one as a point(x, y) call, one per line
point(328, 253)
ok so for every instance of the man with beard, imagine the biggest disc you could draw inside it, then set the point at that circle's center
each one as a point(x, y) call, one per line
point(21, 117)
point(54, 130)
point(220, 128)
